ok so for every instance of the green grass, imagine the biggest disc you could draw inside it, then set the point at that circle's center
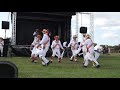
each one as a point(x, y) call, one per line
point(110, 68)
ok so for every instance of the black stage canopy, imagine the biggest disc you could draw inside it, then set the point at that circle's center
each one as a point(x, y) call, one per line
point(58, 23)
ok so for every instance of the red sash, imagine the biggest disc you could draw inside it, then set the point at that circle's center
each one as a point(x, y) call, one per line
point(89, 46)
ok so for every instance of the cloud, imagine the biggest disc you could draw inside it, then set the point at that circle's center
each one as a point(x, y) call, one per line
point(98, 22)
point(111, 28)
point(107, 14)
point(107, 19)
point(110, 36)
point(107, 27)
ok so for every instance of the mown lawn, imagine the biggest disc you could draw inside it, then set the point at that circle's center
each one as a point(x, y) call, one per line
point(110, 68)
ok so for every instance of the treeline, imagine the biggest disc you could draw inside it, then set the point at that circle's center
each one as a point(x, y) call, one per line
point(110, 49)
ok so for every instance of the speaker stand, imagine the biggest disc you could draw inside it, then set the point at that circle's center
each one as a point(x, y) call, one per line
point(5, 33)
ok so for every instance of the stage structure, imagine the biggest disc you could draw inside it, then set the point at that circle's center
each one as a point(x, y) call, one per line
point(91, 19)
point(25, 23)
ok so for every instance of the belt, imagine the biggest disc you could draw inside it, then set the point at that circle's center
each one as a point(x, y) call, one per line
point(97, 51)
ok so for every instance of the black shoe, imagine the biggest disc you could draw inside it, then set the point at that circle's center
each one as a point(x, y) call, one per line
point(48, 63)
point(51, 61)
point(43, 65)
point(32, 61)
point(97, 66)
point(59, 61)
point(84, 66)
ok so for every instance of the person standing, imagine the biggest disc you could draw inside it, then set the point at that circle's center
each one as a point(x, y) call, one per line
point(65, 49)
point(36, 33)
point(1, 46)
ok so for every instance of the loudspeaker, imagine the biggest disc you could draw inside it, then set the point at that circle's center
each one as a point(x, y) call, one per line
point(8, 70)
point(83, 29)
point(5, 25)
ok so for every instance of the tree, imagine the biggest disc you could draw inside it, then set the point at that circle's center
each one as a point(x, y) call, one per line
point(95, 44)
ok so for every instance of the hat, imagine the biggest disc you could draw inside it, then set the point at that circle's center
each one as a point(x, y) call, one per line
point(87, 35)
point(75, 36)
point(56, 37)
point(38, 36)
point(45, 30)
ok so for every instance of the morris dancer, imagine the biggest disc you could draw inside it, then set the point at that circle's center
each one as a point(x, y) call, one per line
point(44, 43)
point(34, 50)
point(74, 46)
point(90, 51)
point(56, 46)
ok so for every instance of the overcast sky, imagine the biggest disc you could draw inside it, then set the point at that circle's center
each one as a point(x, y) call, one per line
point(5, 16)
point(106, 26)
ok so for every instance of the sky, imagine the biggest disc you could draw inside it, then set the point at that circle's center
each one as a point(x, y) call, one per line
point(106, 26)
point(5, 16)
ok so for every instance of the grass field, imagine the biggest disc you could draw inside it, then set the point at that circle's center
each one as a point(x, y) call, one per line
point(110, 68)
